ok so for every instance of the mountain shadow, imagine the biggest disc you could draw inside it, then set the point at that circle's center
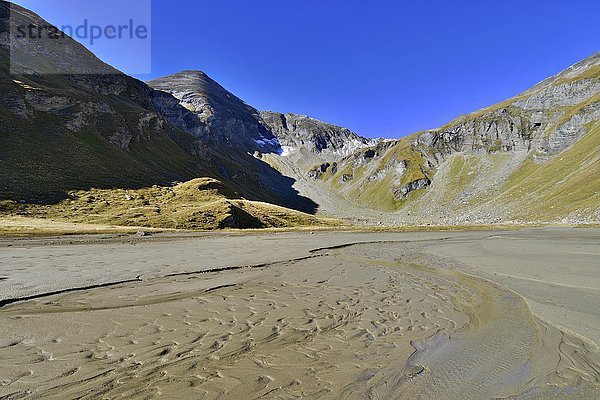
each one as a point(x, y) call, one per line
point(65, 132)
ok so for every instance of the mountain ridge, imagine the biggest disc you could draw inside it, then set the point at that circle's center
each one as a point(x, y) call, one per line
point(533, 127)
point(87, 132)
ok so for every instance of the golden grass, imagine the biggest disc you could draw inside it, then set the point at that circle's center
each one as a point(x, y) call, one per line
point(570, 181)
point(200, 204)
point(27, 226)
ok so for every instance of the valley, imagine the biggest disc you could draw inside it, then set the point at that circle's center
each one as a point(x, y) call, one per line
point(167, 239)
point(532, 159)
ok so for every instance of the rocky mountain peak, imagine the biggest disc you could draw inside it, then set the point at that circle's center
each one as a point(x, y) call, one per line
point(232, 122)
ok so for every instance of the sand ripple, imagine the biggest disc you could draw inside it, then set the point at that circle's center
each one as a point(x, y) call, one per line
point(351, 322)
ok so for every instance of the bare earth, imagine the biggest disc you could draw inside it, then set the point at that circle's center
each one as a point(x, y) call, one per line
point(427, 315)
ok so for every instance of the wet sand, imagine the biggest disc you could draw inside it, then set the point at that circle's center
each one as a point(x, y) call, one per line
point(428, 315)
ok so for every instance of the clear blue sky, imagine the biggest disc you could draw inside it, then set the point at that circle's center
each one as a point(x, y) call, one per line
point(380, 68)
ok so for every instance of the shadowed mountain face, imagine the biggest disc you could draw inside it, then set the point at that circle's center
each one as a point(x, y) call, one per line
point(534, 157)
point(62, 132)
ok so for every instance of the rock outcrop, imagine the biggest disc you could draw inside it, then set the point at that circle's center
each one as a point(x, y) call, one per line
point(231, 122)
point(300, 133)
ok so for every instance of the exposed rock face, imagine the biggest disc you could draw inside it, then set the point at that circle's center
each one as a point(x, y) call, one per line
point(411, 187)
point(569, 88)
point(568, 132)
point(496, 132)
point(546, 119)
point(299, 132)
point(231, 121)
point(318, 171)
point(181, 118)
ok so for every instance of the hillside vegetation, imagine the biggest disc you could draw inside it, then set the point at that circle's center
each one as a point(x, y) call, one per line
point(199, 204)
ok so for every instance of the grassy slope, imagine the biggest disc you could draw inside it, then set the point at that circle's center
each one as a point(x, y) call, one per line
point(63, 161)
point(199, 204)
point(570, 181)
point(379, 193)
point(41, 158)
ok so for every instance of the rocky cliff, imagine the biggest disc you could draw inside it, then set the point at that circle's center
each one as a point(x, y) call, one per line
point(232, 123)
point(302, 134)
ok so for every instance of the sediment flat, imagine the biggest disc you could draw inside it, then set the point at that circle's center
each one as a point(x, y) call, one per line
point(427, 315)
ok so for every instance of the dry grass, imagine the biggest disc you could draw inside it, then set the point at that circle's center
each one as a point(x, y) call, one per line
point(200, 204)
point(570, 181)
point(26, 226)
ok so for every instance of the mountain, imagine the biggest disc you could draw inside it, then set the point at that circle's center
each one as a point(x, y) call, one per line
point(532, 158)
point(286, 143)
point(232, 123)
point(62, 133)
point(308, 138)
point(73, 131)
point(535, 157)
point(99, 146)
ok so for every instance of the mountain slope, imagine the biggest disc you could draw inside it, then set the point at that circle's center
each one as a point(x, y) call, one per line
point(64, 137)
point(237, 130)
point(64, 133)
point(307, 140)
point(232, 122)
point(498, 164)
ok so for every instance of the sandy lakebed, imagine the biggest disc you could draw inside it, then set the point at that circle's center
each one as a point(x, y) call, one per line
point(423, 315)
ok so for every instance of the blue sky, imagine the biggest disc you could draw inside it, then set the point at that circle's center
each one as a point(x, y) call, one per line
point(380, 68)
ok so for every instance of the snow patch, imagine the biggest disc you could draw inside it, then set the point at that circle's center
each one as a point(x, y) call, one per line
point(271, 145)
point(286, 151)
